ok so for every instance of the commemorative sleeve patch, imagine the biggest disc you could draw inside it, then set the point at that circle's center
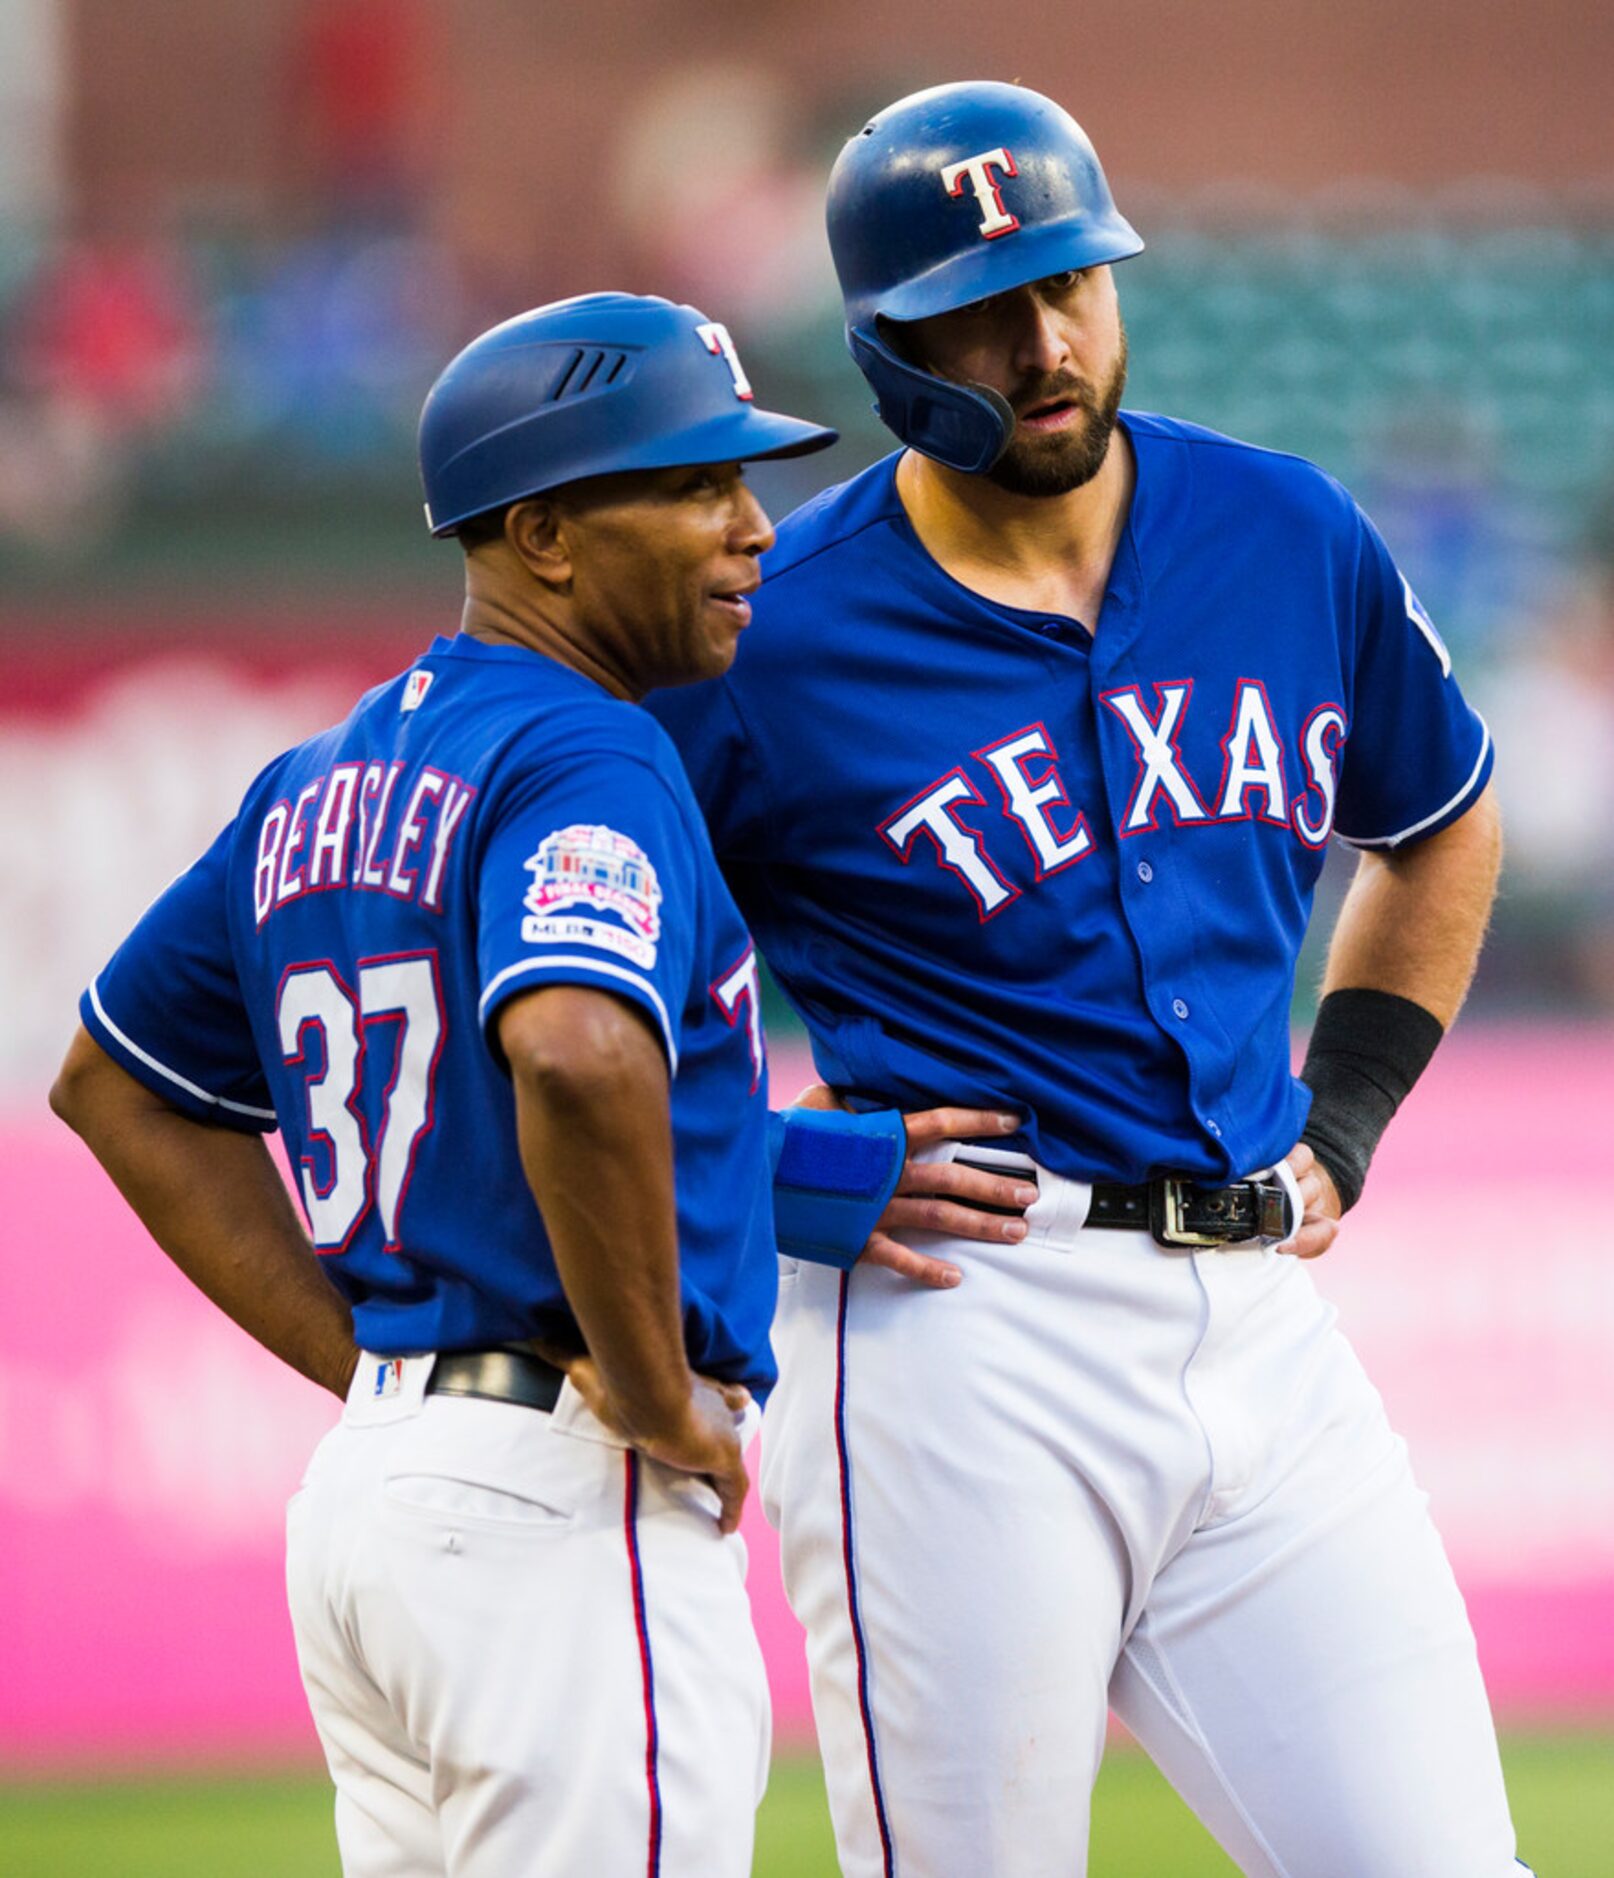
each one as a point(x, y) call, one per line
point(592, 886)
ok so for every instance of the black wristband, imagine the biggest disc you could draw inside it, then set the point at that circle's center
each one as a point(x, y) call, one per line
point(1367, 1050)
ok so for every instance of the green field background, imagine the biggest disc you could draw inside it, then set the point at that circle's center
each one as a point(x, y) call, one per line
point(1562, 1788)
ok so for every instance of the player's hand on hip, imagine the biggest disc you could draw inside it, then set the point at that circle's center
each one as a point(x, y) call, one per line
point(942, 1196)
point(1319, 1225)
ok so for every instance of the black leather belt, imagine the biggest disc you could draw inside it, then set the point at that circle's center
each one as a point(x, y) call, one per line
point(1182, 1212)
point(497, 1376)
point(1179, 1212)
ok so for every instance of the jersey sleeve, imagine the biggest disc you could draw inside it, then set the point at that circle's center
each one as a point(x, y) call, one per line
point(168, 1006)
point(1417, 754)
point(720, 759)
point(590, 877)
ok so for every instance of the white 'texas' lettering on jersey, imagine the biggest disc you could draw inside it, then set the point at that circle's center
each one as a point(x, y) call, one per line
point(1025, 765)
point(740, 989)
point(958, 848)
point(1418, 613)
point(1028, 799)
point(1155, 738)
point(1320, 740)
point(1252, 758)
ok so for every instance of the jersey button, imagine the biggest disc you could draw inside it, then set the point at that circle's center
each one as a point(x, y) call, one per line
point(1178, 1008)
point(1145, 874)
point(1212, 1127)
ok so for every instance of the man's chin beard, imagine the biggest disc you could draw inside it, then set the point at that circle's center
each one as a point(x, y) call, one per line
point(1031, 467)
point(1026, 469)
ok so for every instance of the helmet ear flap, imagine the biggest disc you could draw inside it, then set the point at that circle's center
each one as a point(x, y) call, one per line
point(967, 427)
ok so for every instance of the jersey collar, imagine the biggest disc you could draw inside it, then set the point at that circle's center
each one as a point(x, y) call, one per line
point(1160, 473)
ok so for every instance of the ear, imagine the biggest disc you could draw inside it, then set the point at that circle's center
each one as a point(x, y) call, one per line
point(534, 530)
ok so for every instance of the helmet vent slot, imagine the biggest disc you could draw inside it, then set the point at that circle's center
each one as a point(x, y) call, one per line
point(565, 379)
point(590, 368)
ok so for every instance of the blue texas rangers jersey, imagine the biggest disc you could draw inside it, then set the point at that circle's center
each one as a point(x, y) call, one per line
point(488, 822)
point(995, 858)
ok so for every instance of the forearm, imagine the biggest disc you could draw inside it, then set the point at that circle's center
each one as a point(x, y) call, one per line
point(214, 1201)
point(1400, 964)
point(1414, 919)
point(593, 1115)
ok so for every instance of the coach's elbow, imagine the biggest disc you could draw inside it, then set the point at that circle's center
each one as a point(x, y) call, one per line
point(74, 1093)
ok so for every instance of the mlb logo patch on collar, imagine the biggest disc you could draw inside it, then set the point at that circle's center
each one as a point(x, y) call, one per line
point(415, 688)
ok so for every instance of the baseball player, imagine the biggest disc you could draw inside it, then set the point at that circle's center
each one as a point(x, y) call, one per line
point(1024, 777)
point(469, 950)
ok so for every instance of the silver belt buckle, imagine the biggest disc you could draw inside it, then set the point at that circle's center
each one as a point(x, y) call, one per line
point(1174, 1199)
point(1272, 1214)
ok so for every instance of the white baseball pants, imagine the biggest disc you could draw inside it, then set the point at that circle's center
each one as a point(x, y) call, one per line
point(1104, 1474)
point(528, 1650)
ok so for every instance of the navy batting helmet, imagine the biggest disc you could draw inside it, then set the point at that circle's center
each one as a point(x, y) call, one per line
point(587, 387)
point(948, 196)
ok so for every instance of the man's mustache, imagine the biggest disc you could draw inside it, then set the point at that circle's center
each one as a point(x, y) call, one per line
point(1062, 390)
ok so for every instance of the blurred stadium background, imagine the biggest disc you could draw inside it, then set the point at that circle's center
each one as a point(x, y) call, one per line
point(235, 245)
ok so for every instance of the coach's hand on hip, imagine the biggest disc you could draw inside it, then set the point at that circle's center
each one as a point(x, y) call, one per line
point(707, 1442)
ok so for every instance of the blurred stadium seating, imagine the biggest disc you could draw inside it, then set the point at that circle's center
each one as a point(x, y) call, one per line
point(174, 410)
point(1450, 350)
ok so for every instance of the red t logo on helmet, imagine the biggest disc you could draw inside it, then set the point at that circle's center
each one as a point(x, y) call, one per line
point(995, 218)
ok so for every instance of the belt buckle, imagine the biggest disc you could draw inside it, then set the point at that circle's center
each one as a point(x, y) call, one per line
point(1272, 1213)
point(1167, 1199)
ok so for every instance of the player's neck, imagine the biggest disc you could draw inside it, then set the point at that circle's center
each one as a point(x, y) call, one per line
point(489, 616)
point(1042, 553)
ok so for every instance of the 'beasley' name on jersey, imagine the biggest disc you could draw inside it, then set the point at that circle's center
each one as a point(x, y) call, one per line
point(1025, 766)
point(337, 832)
